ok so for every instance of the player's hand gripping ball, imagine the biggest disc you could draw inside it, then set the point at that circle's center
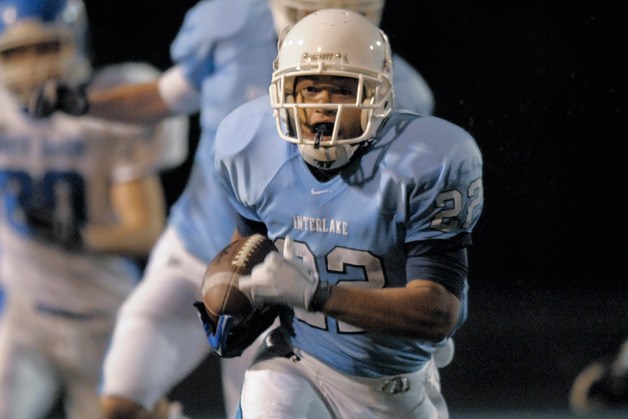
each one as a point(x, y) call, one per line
point(219, 288)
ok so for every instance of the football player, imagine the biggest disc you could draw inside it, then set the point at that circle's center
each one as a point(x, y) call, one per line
point(81, 201)
point(223, 57)
point(412, 92)
point(374, 210)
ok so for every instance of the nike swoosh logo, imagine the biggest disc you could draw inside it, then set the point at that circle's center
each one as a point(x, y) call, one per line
point(322, 191)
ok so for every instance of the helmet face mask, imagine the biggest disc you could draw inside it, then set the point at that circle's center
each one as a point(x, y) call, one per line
point(288, 12)
point(40, 41)
point(344, 53)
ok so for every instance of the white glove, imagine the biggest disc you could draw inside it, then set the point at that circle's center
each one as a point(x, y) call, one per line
point(281, 280)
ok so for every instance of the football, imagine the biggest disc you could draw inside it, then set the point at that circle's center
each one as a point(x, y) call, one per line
point(219, 288)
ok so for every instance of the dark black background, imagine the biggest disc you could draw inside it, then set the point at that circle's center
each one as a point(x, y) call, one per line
point(540, 85)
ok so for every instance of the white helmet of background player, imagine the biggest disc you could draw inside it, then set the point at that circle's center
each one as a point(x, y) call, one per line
point(42, 40)
point(288, 12)
point(332, 42)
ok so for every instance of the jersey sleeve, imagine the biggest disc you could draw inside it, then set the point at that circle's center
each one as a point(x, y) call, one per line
point(242, 142)
point(205, 28)
point(446, 197)
point(142, 151)
point(224, 179)
point(139, 150)
point(228, 162)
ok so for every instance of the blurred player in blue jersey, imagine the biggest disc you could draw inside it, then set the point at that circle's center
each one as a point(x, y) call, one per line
point(80, 200)
point(374, 210)
point(223, 55)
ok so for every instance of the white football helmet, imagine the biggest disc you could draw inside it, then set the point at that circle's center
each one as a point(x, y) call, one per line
point(42, 40)
point(332, 42)
point(288, 12)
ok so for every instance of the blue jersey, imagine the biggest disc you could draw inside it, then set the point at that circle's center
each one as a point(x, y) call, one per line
point(226, 49)
point(420, 180)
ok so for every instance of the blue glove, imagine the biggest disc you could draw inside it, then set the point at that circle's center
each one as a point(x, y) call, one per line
point(231, 336)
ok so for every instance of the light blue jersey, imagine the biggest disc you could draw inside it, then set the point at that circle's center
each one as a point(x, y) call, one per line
point(230, 62)
point(420, 180)
point(226, 49)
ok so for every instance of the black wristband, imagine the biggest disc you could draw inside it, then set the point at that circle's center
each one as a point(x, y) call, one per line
point(320, 296)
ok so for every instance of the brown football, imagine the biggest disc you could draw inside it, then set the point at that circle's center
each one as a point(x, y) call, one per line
point(219, 288)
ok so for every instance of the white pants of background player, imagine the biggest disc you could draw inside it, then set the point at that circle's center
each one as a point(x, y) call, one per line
point(302, 386)
point(36, 365)
point(158, 338)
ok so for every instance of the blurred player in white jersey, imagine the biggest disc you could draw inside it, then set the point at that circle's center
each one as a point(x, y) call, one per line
point(374, 210)
point(81, 200)
point(223, 55)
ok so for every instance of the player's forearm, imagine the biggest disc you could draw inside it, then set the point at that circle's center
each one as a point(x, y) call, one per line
point(137, 103)
point(141, 214)
point(121, 239)
point(423, 310)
